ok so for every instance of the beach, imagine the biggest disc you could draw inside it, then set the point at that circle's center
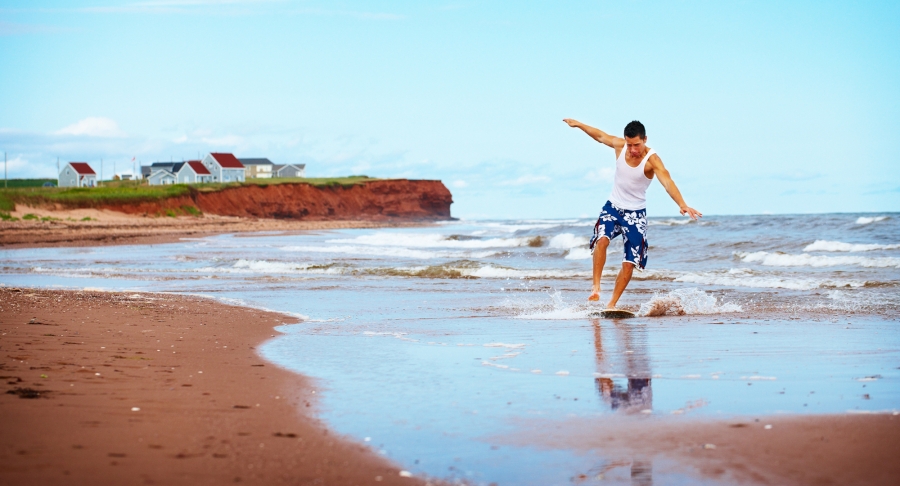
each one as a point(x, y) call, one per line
point(466, 351)
point(92, 227)
point(159, 389)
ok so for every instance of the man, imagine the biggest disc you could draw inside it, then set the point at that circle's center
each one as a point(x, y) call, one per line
point(625, 212)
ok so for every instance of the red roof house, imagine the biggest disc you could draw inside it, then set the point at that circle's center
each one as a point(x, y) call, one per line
point(82, 168)
point(228, 161)
point(77, 174)
point(224, 167)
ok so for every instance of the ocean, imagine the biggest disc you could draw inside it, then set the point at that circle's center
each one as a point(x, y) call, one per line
point(434, 344)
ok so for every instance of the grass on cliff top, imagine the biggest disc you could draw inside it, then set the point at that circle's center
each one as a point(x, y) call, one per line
point(117, 192)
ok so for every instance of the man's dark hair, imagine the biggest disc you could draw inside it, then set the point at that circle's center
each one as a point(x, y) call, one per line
point(635, 129)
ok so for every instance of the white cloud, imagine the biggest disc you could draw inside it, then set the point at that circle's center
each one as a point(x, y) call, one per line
point(460, 184)
point(526, 180)
point(93, 127)
point(20, 167)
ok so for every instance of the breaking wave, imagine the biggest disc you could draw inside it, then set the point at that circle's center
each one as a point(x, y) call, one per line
point(742, 277)
point(567, 240)
point(388, 251)
point(433, 240)
point(823, 245)
point(779, 259)
point(669, 222)
point(870, 219)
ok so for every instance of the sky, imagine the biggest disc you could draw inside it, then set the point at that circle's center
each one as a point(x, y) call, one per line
point(754, 106)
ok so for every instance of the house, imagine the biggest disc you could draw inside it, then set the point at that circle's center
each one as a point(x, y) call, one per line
point(289, 170)
point(224, 167)
point(161, 177)
point(191, 172)
point(146, 170)
point(77, 174)
point(257, 168)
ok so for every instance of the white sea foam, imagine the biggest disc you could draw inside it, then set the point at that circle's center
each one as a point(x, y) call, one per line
point(742, 277)
point(429, 240)
point(490, 271)
point(566, 241)
point(824, 245)
point(669, 222)
point(266, 267)
point(504, 345)
point(582, 253)
point(870, 219)
point(790, 260)
point(686, 301)
point(387, 251)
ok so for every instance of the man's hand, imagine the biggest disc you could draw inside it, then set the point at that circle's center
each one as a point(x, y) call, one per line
point(598, 135)
point(689, 211)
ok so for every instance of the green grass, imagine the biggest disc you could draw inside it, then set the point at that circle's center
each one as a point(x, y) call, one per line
point(14, 183)
point(193, 211)
point(125, 192)
point(7, 217)
point(29, 216)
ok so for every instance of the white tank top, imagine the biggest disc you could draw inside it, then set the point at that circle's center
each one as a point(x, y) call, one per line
point(630, 184)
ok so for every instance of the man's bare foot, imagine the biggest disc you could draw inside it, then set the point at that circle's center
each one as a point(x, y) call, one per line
point(595, 296)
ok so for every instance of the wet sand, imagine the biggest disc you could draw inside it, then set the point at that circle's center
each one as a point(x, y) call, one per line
point(105, 227)
point(782, 449)
point(92, 358)
point(159, 389)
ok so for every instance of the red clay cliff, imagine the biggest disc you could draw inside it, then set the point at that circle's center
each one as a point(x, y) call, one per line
point(378, 200)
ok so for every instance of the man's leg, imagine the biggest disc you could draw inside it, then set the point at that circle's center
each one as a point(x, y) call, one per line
point(599, 261)
point(621, 282)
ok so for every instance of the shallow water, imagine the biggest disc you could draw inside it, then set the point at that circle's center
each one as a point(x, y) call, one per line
point(430, 341)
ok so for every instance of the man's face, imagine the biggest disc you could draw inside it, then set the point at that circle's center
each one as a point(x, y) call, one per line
point(635, 146)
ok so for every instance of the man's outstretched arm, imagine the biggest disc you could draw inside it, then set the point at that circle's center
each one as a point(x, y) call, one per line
point(596, 134)
point(666, 180)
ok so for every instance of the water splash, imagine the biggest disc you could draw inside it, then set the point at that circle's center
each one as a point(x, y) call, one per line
point(557, 308)
point(685, 301)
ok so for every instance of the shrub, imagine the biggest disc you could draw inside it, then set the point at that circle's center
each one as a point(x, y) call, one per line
point(191, 210)
point(29, 216)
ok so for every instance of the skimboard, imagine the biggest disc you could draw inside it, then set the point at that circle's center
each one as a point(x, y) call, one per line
point(613, 314)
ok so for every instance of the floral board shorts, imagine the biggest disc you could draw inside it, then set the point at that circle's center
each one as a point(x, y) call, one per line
point(631, 224)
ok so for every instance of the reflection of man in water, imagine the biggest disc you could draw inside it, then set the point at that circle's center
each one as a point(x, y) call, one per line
point(638, 395)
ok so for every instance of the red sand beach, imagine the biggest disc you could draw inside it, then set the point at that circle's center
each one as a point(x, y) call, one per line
point(155, 389)
point(98, 227)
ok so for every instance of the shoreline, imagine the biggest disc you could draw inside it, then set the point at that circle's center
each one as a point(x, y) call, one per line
point(67, 228)
point(159, 389)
